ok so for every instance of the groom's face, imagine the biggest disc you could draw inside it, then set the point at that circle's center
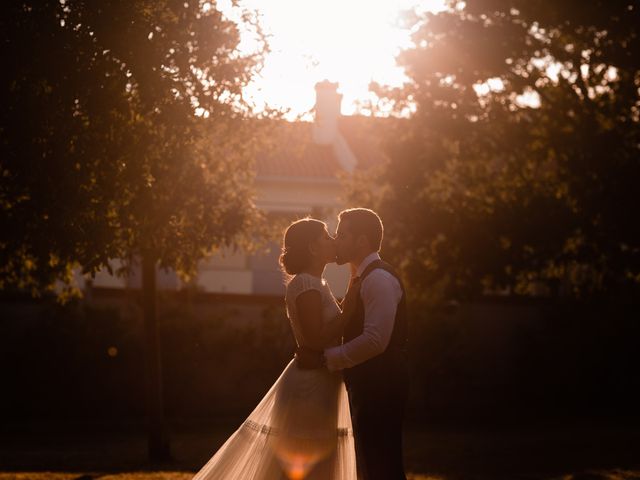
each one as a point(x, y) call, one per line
point(345, 243)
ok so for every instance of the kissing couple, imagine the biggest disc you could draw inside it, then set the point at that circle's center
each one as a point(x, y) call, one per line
point(336, 411)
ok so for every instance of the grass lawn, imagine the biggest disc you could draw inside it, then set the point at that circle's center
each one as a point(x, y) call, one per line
point(593, 475)
point(549, 453)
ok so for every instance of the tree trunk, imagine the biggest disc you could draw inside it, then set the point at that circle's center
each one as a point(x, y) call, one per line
point(158, 439)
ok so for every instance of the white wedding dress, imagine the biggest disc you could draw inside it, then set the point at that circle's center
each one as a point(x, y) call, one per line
point(301, 429)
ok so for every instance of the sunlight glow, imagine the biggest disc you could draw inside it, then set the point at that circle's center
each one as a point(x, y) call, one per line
point(350, 42)
point(491, 85)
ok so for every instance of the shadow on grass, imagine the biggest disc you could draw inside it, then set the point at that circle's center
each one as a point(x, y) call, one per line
point(585, 452)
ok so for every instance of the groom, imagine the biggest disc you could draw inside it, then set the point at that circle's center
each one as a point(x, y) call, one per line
point(374, 350)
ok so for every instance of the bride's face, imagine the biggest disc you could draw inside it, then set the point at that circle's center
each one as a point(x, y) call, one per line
point(325, 248)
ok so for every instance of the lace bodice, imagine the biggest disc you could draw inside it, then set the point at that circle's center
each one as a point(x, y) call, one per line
point(301, 283)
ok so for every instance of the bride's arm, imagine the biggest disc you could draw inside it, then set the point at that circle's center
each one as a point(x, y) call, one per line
point(318, 333)
point(335, 326)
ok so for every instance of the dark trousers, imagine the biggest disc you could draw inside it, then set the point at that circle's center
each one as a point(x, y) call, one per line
point(377, 414)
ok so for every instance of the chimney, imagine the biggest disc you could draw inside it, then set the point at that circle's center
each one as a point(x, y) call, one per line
point(325, 128)
point(327, 110)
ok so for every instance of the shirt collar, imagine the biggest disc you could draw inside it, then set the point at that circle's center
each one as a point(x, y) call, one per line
point(372, 257)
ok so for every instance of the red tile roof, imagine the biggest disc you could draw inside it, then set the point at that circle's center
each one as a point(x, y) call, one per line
point(293, 153)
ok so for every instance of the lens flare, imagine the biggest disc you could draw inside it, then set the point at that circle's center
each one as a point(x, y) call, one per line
point(298, 456)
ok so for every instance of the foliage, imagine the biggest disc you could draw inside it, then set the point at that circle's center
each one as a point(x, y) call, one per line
point(102, 155)
point(517, 169)
point(520, 361)
point(483, 363)
point(86, 361)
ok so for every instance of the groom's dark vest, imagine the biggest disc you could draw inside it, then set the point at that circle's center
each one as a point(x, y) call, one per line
point(393, 361)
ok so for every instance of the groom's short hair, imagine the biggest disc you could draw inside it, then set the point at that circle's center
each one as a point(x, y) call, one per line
point(363, 221)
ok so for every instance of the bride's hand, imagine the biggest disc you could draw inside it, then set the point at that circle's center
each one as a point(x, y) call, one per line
point(348, 309)
point(350, 301)
point(354, 270)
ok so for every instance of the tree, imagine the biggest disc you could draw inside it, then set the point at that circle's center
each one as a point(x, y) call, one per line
point(103, 155)
point(516, 169)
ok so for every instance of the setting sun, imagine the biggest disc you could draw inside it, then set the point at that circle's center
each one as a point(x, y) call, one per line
point(352, 43)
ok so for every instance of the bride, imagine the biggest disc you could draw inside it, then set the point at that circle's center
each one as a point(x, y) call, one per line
point(301, 429)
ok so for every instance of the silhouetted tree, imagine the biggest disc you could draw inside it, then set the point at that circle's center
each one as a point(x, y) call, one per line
point(103, 156)
point(518, 167)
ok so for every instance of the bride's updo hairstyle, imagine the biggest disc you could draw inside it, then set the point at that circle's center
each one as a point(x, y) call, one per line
point(298, 236)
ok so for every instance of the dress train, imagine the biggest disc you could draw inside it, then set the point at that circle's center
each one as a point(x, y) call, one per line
point(301, 429)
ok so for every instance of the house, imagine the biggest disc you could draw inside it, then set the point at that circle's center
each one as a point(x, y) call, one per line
point(300, 176)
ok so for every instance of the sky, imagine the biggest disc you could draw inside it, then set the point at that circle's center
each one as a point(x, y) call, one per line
point(352, 42)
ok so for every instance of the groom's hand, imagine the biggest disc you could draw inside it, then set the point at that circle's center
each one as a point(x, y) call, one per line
point(308, 359)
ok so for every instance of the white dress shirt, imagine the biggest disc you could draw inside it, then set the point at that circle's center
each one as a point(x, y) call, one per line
point(380, 292)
